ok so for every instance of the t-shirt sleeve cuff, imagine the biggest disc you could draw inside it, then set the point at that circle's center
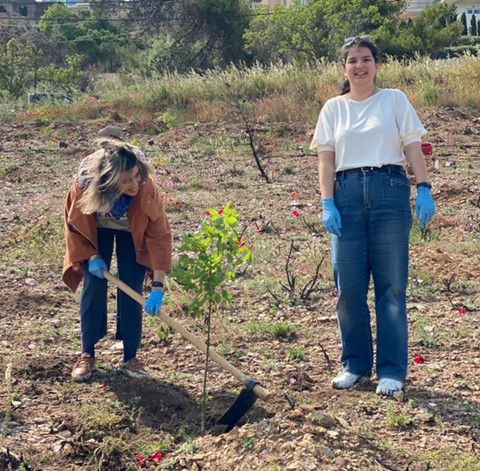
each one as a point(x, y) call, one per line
point(412, 138)
point(315, 145)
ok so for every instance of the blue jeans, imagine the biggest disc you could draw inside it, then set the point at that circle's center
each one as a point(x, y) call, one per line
point(376, 221)
point(93, 306)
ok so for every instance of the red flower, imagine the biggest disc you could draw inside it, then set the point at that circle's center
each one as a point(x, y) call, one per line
point(462, 310)
point(220, 211)
point(296, 213)
point(427, 148)
point(419, 359)
point(208, 213)
point(157, 457)
point(294, 195)
point(172, 199)
point(178, 203)
point(250, 246)
point(141, 461)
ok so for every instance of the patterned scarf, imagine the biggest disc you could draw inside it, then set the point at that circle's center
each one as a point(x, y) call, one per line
point(121, 206)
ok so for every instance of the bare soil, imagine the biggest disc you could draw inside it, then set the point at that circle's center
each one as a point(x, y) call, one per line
point(103, 423)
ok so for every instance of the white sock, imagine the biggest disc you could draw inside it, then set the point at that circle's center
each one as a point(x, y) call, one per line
point(389, 386)
point(345, 380)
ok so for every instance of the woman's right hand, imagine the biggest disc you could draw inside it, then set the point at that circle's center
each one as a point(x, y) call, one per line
point(96, 267)
point(331, 217)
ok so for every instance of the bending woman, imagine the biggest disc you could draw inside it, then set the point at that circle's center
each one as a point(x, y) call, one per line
point(363, 137)
point(114, 198)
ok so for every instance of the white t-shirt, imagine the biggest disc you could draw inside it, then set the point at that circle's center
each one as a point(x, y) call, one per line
point(365, 133)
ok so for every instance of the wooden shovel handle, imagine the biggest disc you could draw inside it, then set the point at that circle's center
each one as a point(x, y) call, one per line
point(260, 392)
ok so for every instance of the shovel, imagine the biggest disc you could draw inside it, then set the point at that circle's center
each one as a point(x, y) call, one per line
point(248, 395)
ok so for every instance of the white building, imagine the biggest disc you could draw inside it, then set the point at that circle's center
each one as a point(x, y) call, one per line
point(415, 7)
point(273, 3)
point(469, 7)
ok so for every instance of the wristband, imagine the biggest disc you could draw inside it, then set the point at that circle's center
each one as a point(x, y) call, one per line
point(425, 184)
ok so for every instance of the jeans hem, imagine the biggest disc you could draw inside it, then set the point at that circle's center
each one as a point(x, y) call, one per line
point(396, 378)
point(349, 370)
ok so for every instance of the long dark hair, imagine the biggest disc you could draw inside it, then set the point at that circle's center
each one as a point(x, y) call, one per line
point(357, 42)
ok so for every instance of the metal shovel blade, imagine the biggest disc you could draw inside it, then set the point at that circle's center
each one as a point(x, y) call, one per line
point(243, 403)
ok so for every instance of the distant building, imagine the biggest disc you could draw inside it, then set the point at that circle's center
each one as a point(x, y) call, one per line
point(28, 9)
point(415, 7)
point(469, 7)
point(274, 3)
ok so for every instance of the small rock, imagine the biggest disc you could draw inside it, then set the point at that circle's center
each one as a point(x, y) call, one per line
point(67, 449)
point(117, 347)
point(294, 466)
point(329, 452)
point(399, 396)
point(30, 282)
point(308, 466)
point(343, 422)
point(64, 434)
point(324, 420)
point(151, 142)
point(62, 145)
point(57, 448)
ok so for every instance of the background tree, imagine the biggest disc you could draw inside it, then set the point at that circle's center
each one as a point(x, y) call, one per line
point(463, 21)
point(430, 32)
point(189, 34)
point(316, 30)
point(473, 25)
point(97, 39)
point(15, 66)
point(297, 32)
point(68, 78)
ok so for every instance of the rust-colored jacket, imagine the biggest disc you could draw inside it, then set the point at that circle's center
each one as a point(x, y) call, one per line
point(148, 222)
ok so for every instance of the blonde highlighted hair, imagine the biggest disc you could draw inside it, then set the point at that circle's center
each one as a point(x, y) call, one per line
point(99, 173)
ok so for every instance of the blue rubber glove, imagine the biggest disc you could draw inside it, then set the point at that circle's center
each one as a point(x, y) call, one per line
point(154, 302)
point(331, 217)
point(424, 206)
point(96, 266)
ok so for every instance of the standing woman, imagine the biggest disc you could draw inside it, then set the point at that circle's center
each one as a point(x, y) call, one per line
point(363, 137)
point(114, 198)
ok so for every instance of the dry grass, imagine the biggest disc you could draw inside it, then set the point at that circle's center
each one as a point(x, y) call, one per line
point(280, 93)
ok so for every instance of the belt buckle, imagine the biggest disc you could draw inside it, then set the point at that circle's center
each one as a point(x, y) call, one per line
point(366, 169)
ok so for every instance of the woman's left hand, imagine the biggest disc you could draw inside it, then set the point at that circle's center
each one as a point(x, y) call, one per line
point(154, 302)
point(425, 206)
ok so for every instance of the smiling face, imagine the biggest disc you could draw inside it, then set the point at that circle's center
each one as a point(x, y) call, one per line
point(360, 68)
point(129, 182)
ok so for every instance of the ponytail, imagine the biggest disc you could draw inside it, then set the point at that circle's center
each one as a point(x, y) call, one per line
point(345, 88)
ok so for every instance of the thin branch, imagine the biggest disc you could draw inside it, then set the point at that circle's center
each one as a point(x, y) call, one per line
point(325, 354)
point(310, 287)
point(290, 278)
point(250, 131)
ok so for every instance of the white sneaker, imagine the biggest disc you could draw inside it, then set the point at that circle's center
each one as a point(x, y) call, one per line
point(389, 386)
point(346, 380)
